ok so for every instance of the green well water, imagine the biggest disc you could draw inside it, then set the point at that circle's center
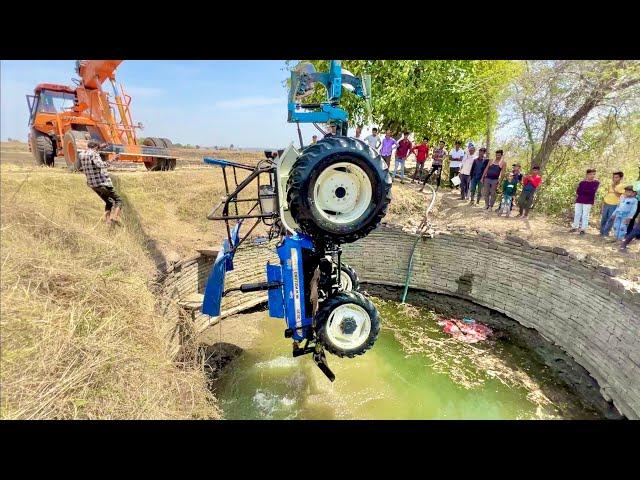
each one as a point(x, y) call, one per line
point(414, 371)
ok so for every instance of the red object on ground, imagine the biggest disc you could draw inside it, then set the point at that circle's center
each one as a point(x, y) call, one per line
point(465, 332)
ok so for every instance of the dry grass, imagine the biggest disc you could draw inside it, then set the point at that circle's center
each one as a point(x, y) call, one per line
point(80, 336)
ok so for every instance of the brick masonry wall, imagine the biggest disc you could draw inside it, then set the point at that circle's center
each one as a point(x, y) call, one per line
point(571, 301)
point(188, 277)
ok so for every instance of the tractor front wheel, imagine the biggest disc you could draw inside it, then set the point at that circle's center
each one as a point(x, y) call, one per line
point(72, 142)
point(347, 324)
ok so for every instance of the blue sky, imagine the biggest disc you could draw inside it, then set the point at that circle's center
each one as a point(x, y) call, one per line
point(201, 102)
point(208, 103)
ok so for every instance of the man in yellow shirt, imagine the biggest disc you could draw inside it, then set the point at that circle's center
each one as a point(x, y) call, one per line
point(610, 202)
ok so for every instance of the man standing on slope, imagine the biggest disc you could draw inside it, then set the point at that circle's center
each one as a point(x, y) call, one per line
point(95, 169)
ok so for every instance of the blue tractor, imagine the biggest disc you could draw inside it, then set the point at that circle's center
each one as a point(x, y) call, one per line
point(313, 200)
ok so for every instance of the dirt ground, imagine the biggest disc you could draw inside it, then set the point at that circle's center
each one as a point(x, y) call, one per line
point(450, 211)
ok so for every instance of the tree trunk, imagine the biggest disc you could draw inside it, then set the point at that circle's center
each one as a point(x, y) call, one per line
point(597, 95)
point(542, 157)
point(488, 139)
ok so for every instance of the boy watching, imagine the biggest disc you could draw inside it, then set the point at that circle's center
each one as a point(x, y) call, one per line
point(585, 198)
point(422, 152)
point(624, 211)
point(509, 187)
point(610, 203)
point(530, 184)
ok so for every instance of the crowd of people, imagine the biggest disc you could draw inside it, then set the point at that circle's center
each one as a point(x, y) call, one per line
point(476, 175)
point(620, 207)
point(470, 172)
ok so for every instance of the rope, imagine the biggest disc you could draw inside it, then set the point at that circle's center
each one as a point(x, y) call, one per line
point(422, 231)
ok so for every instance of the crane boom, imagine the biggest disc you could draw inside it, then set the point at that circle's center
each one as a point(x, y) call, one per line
point(96, 114)
point(93, 73)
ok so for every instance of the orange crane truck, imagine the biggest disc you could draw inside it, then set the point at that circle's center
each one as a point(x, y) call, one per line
point(63, 119)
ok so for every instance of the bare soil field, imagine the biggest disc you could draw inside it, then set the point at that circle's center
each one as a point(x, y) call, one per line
point(449, 211)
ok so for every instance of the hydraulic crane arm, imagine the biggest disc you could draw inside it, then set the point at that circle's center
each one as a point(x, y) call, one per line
point(94, 73)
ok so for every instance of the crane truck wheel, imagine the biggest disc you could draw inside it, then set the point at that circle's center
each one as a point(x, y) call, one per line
point(170, 163)
point(167, 143)
point(348, 278)
point(338, 190)
point(42, 148)
point(72, 142)
point(347, 324)
point(155, 164)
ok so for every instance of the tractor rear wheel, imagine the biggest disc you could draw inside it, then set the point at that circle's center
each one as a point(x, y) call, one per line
point(339, 190)
point(42, 148)
point(347, 324)
point(72, 142)
point(160, 164)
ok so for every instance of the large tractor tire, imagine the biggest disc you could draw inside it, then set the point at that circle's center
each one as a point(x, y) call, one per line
point(42, 148)
point(155, 164)
point(347, 324)
point(170, 163)
point(167, 143)
point(72, 142)
point(338, 190)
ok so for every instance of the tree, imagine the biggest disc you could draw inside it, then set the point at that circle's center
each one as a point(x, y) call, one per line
point(449, 99)
point(553, 101)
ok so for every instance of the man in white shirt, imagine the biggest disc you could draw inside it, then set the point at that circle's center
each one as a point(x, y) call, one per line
point(465, 171)
point(373, 140)
point(455, 162)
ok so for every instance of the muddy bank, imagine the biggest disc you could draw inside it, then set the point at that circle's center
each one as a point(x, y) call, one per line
point(573, 376)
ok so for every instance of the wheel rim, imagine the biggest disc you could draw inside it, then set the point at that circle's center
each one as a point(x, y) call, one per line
point(342, 193)
point(348, 326)
point(345, 281)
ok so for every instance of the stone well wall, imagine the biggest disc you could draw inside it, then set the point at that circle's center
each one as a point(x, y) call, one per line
point(571, 301)
point(183, 286)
